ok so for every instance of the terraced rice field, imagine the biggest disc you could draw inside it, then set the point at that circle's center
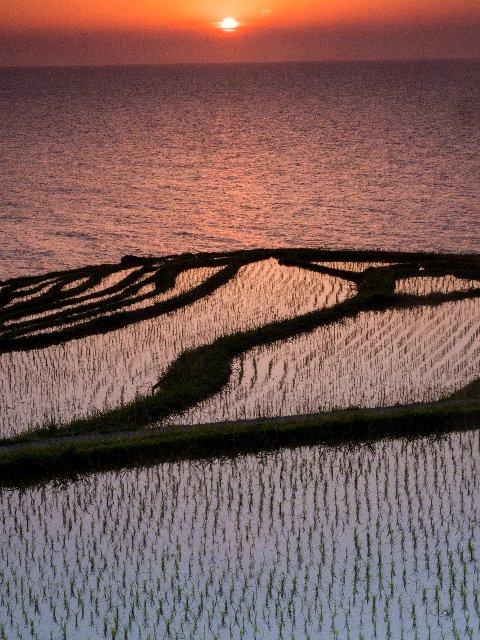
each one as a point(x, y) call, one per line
point(80, 343)
point(143, 298)
point(375, 359)
point(92, 374)
point(418, 286)
point(378, 542)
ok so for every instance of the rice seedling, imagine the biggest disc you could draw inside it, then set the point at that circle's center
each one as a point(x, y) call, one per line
point(424, 286)
point(307, 542)
point(399, 356)
point(98, 372)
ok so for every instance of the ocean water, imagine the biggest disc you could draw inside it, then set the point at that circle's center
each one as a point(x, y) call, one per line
point(99, 162)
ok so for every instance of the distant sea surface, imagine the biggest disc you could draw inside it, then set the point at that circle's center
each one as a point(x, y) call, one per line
point(99, 162)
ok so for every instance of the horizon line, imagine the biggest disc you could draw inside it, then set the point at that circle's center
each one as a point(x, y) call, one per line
point(244, 63)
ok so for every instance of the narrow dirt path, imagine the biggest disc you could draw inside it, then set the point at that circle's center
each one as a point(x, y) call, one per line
point(187, 428)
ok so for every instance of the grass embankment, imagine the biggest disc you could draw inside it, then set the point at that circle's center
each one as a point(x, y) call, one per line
point(469, 392)
point(25, 466)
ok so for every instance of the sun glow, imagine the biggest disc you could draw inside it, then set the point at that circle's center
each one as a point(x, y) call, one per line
point(228, 24)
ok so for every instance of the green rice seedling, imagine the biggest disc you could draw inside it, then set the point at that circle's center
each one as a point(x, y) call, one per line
point(164, 566)
point(375, 359)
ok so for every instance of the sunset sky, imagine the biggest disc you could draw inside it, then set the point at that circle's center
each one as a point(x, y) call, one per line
point(148, 31)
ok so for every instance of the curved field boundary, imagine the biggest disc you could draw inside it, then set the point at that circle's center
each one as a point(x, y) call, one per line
point(15, 337)
point(118, 319)
point(202, 372)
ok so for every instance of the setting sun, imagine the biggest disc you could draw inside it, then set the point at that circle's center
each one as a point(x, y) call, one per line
point(228, 24)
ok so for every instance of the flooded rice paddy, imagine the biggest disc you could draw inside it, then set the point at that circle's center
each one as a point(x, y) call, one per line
point(363, 542)
point(374, 359)
point(103, 371)
point(185, 281)
point(425, 286)
point(378, 542)
point(356, 267)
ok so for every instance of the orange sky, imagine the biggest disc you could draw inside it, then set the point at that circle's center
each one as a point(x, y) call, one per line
point(69, 32)
point(195, 14)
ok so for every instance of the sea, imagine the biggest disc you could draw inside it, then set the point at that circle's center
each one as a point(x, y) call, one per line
point(99, 162)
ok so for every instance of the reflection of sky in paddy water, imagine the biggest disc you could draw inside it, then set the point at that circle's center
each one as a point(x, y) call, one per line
point(104, 371)
point(424, 286)
point(185, 281)
point(341, 543)
point(375, 359)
